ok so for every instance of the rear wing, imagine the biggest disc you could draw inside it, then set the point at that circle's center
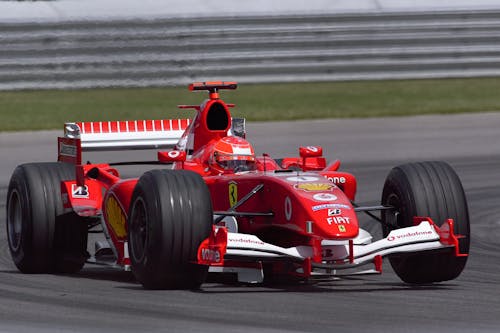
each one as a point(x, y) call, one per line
point(126, 135)
point(118, 135)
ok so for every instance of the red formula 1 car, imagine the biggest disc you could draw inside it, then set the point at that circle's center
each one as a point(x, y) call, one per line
point(213, 205)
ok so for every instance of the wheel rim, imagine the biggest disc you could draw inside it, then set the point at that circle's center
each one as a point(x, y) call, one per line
point(392, 217)
point(138, 230)
point(14, 221)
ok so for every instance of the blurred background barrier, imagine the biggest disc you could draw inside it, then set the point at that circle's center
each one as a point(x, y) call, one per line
point(251, 48)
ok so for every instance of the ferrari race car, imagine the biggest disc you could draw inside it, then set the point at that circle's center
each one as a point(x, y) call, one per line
point(212, 205)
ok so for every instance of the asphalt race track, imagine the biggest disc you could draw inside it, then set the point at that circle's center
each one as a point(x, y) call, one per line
point(103, 299)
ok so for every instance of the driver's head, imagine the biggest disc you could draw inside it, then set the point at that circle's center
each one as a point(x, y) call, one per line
point(232, 154)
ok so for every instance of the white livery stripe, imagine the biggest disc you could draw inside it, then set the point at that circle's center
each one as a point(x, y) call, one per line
point(242, 151)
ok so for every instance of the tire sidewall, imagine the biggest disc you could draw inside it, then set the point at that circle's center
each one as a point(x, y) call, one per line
point(24, 250)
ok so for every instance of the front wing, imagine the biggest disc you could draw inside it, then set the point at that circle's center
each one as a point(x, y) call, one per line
point(244, 254)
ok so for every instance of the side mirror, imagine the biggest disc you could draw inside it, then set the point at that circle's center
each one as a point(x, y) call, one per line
point(311, 151)
point(238, 128)
point(172, 156)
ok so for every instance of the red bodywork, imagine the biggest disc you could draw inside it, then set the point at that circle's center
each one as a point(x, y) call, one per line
point(303, 200)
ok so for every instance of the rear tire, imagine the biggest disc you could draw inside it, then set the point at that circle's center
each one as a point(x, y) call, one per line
point(170, 215)
point(427, 189)
point(42, 239)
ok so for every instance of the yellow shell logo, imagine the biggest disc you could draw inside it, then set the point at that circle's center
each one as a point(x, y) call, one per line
point(314, 187)
point(115, 217)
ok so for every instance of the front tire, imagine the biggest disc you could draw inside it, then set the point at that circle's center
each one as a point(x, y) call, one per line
point(170, 215)
point(427, 189)
point(42, 239)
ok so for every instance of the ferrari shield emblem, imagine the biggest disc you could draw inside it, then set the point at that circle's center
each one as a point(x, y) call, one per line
point(342, 228)
point(233, 193)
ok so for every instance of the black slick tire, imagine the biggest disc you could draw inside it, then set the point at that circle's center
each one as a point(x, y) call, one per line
point(427, 189)
point(170, 215)
point(41, 237)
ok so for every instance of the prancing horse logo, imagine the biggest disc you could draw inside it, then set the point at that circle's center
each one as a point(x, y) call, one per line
point(233, 193)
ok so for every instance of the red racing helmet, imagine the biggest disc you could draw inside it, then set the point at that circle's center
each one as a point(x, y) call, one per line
point(232, 154)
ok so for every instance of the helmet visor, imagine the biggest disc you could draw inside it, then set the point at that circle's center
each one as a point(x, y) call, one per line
point(236, 163)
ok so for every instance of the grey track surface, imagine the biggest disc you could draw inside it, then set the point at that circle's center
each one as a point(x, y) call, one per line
point(101, 299)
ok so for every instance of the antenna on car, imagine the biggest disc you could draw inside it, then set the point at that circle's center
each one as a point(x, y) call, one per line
point(265, 155)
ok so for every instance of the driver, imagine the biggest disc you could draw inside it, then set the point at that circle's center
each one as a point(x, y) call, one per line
point(232, 154)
